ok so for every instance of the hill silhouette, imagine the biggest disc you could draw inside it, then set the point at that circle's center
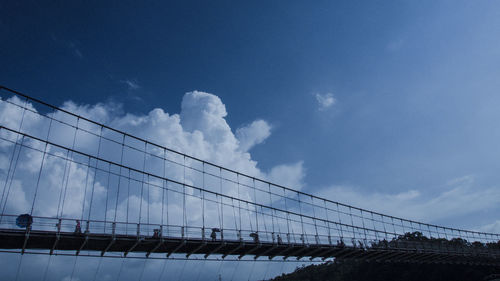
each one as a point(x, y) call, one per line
point(358, 270)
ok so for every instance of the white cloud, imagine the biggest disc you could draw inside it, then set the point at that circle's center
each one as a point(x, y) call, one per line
point(71, 45)
point(460, 197)
point(325, 101)
point(70, 278)
point(131, 84)
point(199, 130)
point(491, 228)
point(290, 175)
point(253, 134)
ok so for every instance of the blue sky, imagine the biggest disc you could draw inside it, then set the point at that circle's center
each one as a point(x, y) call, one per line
point(415, 83)
point(415, 103)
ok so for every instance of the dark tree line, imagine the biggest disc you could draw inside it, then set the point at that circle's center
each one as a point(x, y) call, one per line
point(354, 270)
point(351, 270)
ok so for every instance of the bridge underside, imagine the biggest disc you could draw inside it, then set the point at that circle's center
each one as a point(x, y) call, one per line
point(103, 243)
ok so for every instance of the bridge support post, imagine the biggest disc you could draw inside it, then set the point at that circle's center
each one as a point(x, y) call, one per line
point(300, 250)
point(333, 251)
point(203, 244)
point(113, 239)
point(313, 253)
point(86, 238)
point(159, 243)
point(251, 250)
point(182, 243)
point(306, 253)
point(58, 236)
point(139, 239)
point(215, 249)
point(26, 237)
point(234, 249)
point(321, 254)
point(286, 249)
point(266, 252)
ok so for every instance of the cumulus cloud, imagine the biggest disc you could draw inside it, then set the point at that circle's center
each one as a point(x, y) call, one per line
point(253, 134)
point(288, 174)
point(325, 101)
point(200, 129)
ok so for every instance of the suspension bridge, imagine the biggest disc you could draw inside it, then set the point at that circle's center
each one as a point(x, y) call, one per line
point(73, 186)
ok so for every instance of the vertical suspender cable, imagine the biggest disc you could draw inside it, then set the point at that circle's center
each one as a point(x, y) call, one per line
point(221, 207)
point(107, 197)
point(203, 200)
point(62, 185)
point(383, 224)
point(95, 175)
point(128, 201)
point(363, 224)
point(85, 190)
point(374, 227)
point(327, 223)
point(184, 215)
point(249, 217)
point(352, 226)
point(277, 222)
point(255, 206)
point(69, 168)
point(119, 178)
point(303, 238)
point(272, 210)
point(287, 218)
point(394, 227)
point(142, 184)
point(239, 201)
point(148, 201)
point(314, 219)
point(164, 189)
point(263, 221)
point(340, 221)
point(234, 215)
point(11, 179)
point(41, 168)
point(13, 153)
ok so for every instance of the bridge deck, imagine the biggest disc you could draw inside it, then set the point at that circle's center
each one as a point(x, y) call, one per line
point(405, 252)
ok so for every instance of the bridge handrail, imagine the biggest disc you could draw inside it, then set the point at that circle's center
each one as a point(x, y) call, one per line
point(147, 228)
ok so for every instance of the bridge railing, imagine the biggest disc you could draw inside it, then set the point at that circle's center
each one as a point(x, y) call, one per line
point(195, 194)
point(152, 231)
